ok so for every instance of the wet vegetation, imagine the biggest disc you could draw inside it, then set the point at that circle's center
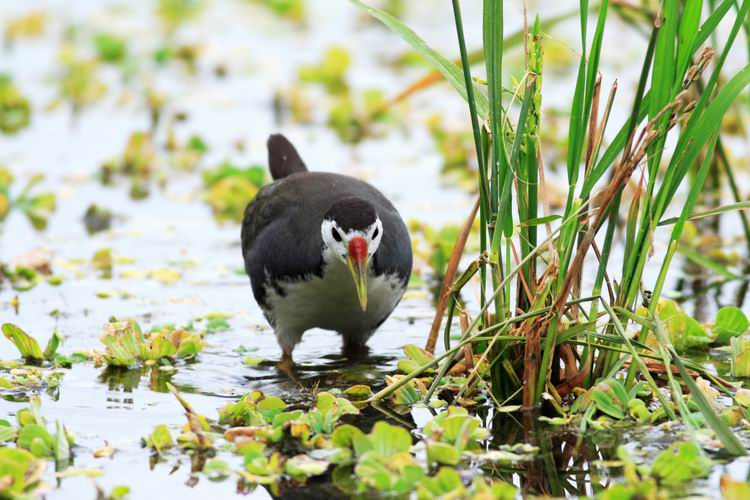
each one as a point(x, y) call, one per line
point(576, 324)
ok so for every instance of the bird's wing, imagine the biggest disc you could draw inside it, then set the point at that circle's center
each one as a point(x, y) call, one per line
point(283, 158)
point(275, 225)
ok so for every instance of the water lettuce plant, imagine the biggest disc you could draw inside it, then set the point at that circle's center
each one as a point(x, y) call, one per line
point(127, 346)
point(28, 347)
point(228, 189)
point(20, 473)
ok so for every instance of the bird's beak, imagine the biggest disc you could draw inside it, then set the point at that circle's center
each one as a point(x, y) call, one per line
point(357, 263)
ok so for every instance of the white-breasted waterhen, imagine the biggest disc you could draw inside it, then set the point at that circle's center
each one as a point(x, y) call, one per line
point(323, 250)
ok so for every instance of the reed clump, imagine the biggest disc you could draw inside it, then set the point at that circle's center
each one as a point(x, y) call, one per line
point(544, 331)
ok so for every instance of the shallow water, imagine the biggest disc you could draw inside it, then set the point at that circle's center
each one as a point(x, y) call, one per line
point(174, 229)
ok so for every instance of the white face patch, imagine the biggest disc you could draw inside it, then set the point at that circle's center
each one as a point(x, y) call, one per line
point(336, 241)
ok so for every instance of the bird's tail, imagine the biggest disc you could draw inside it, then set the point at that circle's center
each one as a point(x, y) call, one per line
point(283, 159)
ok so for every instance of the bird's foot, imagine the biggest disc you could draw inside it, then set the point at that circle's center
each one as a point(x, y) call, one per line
point(286, 365)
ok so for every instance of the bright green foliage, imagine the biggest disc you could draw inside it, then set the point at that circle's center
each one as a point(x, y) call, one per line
point(447, 483)
point(261, 469)
point(611, 398)
point(382, 459)
point(451, 433)
point(328, 410)
point(415, 358)
point(330, 71)
point(230, 188)
point(36, 207)
point(293, 10)
point(24, 471)
point(408, 394)
point(33, 436)
point(15, 109)
point(217, 469)
point(79, 82)
point(301, 467)
point(127, 346)
point(740, 360)
point(27, 345)
point(683, 330)
point(174, 13)
point(255, 409)
point(680, 463)
point(457, 149)
point(730, 322)
point(111, 48)
point(160, 439)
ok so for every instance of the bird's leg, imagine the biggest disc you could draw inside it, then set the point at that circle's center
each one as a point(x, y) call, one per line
point(286, 364)
point(355, 344)
point(287, 340)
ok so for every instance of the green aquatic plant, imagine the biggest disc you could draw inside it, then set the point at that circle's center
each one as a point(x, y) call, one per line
point(330, 72)
point(740, 360)
point(15, 108)
point(730, 322)
point(37, 207)
point(228, 189)
point(356, 116)
point(111, 48)
point(127, 346)
point(160, 439)
point(684, 331)
point(32, 435)
point(78, 80)
point(27, 345)
point(294, 10)
point(447, 483)
point(175, 13)
point(31, 25)
point(538, 320)
point(457, 149)
point(452, 433)
point(20, 473)
point(680, 463)
point(382, 459)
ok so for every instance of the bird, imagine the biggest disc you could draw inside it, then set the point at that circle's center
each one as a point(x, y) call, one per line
point(323, 250)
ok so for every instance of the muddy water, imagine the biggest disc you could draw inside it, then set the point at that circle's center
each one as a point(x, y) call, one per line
point(174, 229)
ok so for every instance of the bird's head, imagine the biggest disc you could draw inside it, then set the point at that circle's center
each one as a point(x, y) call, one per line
point(352, 232)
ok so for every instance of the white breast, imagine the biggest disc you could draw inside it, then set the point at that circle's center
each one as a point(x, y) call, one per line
point(330, 302)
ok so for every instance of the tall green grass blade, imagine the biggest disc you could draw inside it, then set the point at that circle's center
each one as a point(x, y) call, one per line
point(742, 205)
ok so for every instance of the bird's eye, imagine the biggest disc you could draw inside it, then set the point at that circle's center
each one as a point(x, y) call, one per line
point(375, 233)
point(336, 235)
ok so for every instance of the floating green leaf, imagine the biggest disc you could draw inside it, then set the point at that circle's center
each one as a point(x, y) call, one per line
point(160, 439)
point(681, 462)
point(26, 345)
point(730, 322)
